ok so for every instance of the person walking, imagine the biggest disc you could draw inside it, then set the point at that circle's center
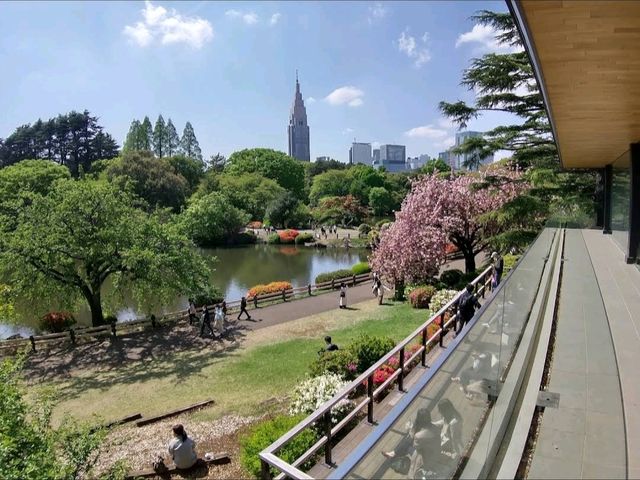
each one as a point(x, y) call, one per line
point(205, 321)
point(467, 304)
point(243, 308)
point(498, 266)
point(218, 319)
point(193, 317)
point(343, 295)
point(380, 289)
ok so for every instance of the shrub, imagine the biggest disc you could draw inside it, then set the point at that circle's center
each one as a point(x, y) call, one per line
point(451, 277)
point(267, 432)
point(368, 350)
point(335, 275)
point(383, 222)
point(450, 249)
point(288, 236)
point(56, 322)
point(420, 297)
point(309, 395)
point(360, 268)
point(273, 287)
point(254, 224)
point(364, 229)
point(273, 239)
point(341, 362)
point(382, 374)
point(509, 262)
point(440, 299)
point(208, 295)
point(305, 238)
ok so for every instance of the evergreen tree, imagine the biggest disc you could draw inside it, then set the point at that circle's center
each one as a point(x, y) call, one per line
point(131, 143)
point(173, 140)
point(160, 138)
point(189, 143)
point(146, 134)
point(104, 146)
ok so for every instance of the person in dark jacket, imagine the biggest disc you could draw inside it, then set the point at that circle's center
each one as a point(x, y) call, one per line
point(243, 308)
point(467, 304)
point(498, 266)
point(205, 321)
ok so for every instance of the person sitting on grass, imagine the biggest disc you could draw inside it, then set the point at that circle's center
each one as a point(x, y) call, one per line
point(182, 449)
point(329, 347)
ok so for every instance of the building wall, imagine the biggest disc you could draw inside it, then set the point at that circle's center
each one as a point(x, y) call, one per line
point(361, 153)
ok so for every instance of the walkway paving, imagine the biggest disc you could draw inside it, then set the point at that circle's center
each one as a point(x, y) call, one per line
point(584, 437)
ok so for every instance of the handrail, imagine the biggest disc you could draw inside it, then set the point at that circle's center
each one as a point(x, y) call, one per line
point(268, 454)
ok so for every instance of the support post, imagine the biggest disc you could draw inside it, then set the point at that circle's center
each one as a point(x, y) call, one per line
point(265, 470)
point(370, 395)
point(72, 336)
point(442, 332)
point(401, 376)
point(608, 182)
point(424, 347)
point(327, 433)
point(354, 280)
point(33, 343)
point(634, 206)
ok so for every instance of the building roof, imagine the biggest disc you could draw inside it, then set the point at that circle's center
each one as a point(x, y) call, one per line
point(586, 55)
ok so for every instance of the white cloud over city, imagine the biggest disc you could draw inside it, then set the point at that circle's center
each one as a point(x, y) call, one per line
point(275, 18)
point(249, 18)
point(427, 131)
point(483, 37)
point(377, 12)
point(348, 95)
point(414, 49)
point(168, 27)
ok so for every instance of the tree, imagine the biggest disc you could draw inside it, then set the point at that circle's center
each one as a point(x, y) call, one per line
point(345, 210)
point(381, 201)
point(332, 183)
point(278, 166)
point(211, 219)
point(134, 141)
point(67, 244)
point(217, 163)
point(363, 179)
point(189, 144)
point(103, 146)
point(154, 180)
point(281, 210)
point(146, 134)
point(160, 138)
point(190, 168)
point(321, 166)
point(435, 165)
point(250, 192)
point(173, 140)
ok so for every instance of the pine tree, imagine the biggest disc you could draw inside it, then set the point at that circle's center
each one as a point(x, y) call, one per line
point(173, 140)
point(131, 143)
point(189, 144)
point(146, 134)
point(160, 138)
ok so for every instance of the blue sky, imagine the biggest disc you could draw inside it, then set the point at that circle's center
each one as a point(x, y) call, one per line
point(373, 71)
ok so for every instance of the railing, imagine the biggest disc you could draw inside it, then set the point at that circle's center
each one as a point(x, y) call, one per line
point(75, 334)
point(268, 457)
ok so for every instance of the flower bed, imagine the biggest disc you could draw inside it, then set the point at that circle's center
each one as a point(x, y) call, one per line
point(273, 287)
point(55, 322)
point(288, 236)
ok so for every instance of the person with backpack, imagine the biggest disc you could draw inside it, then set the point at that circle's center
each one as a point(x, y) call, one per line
point(243, 308)
point(466, 305)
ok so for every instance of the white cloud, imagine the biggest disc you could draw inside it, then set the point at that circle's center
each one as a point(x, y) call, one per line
point(446, 123)
point(347, 131)
point(249, 18)
point(446, 143)
point(377, 11)
point(484, 37)
point(168, 27)
point(409, 46)
point(310, 100)
point(348, 95)
point(275, 18)
point(427, 131)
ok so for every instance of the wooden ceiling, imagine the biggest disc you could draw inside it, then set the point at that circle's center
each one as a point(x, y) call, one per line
point(588, 54)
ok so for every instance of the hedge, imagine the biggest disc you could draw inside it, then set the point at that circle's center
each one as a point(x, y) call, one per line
point(360, 268)
point(305, 238)
point(335, 275)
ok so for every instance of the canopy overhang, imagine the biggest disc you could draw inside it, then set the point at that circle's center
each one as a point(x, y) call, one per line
point(586, 56)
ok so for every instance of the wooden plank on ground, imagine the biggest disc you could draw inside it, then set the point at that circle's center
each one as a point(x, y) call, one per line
point(146, 421)
point(217, 459)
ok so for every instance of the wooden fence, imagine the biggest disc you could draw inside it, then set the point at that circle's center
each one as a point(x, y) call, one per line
point(75, 335)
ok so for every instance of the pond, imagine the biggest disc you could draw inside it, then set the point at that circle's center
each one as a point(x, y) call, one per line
point(237, 270)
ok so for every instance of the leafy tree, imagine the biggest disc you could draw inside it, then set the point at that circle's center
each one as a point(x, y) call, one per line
point(217, 162)
point(189, 144)
point(152, 179)
point(146, 134)
point(173, 140)
point(332, 183)
point(363, 179)
point(67, 244)
point(134, 141)
point(104, 147)
point(160, 138)
point(345, 210)
point(211, 220)
point(281, 210)
point(381, 201)
point(190, 168)
point(250, 192)
point(278, 166)
point(321, 166)
point(435, 165)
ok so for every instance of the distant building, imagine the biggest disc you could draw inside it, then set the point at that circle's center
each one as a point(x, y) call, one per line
point(417, 163)
point(448, 158)
point(376, 155)
point(298, 128)
point(393, 158)
point(461, 160)
point(360, 153)
point(323, 159)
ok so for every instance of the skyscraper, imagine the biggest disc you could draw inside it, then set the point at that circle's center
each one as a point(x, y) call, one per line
point(360, 153)
point(298, 128)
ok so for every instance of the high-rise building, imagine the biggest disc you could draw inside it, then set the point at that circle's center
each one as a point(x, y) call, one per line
point(360, 153)
point(461, 161)
point(393, 158)
point(298, 128)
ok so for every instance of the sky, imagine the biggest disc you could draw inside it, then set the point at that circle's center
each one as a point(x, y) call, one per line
point(369, 71)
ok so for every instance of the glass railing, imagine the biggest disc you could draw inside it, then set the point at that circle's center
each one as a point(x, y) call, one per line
point(433, 430)
point(621, 200)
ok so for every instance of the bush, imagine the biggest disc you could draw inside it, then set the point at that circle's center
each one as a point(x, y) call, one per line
point(273, 239)
point(309, 395)
point(364, 229)
point(207, 296)
point(383, 222)
point(254, 224)
point(335, 275)
point(451, 277)
point(440, 299)
point(340, 362)
point(305, 238)
point(420, 297)
point(509, 262)
point(55, 322)
point(245, 238)
point(273, 287)
point(265, 433)
point(360, 268)
point(368, 350)
point(288, 236)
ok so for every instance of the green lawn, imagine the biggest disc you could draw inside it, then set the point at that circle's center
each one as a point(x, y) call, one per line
point(240, 380)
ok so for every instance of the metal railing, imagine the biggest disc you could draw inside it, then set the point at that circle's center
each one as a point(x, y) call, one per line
point(73, 335)
point(268, 457)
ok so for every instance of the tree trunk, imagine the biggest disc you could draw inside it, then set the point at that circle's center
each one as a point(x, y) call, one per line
point(95, 304)
point(399, 291)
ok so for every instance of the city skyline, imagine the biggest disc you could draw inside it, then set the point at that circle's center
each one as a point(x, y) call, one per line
point(227, 68)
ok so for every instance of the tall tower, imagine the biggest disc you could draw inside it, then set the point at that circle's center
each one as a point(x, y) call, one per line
point(298, 128)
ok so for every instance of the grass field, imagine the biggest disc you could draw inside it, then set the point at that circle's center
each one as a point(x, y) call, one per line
point(247, 378)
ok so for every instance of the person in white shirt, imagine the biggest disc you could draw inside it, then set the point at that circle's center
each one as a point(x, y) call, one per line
point(182, 449)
